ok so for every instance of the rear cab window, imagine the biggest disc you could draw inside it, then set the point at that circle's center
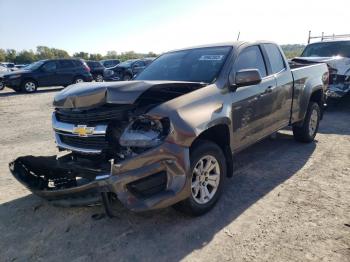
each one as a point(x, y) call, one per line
point(275, 58)
point(251, 58)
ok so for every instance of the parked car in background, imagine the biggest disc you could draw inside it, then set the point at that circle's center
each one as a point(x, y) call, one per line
point(96, 70)
point(8, 65)
point(168, 138)
point(127, 70)
point(3, 70)
point(53, 72)
point(336, 54)
point(21, 66)
point(110, 63)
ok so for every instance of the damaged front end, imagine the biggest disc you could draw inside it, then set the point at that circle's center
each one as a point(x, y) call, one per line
point(112, 148)
point(339, 85)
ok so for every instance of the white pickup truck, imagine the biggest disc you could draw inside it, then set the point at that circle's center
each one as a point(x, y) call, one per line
point(336, 54)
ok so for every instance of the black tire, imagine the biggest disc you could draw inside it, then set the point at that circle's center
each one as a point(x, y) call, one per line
point(127, 77)
point(29, 86)
point(306, 131)
point(2, 85)
point(203, 148)
point(99, 78)
point(78, 79)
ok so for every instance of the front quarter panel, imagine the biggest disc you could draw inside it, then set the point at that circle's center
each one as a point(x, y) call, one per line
point(195, 112)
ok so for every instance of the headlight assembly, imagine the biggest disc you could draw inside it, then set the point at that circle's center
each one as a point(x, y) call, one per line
point(145, 132)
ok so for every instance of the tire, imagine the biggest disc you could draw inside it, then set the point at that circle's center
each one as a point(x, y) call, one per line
point(127, 77)
point(195, 204)
point(2, 85)
point(29, 86)
point(307, 131)
point(78, 79)
point(99, 78)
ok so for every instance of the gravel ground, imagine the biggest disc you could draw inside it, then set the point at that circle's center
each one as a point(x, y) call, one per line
point(286, 202)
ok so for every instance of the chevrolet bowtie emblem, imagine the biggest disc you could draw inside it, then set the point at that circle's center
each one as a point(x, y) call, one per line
point(83, 130)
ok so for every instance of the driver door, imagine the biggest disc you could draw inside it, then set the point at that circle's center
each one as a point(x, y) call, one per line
point(249, 112)
point(47, 75)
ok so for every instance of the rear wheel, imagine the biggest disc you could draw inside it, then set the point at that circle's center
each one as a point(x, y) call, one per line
point(208, 169)
point(78, 79)
point(29, 86)
point(99, 78)
point(307, 131)
point(2, 85)
point(126, 77)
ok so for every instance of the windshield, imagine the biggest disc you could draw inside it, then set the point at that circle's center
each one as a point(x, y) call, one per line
point(194, 65)
point(328, 49)
point(127, 63)
point(34, 65)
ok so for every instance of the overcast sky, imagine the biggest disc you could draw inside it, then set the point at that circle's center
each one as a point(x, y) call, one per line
point(96, 26)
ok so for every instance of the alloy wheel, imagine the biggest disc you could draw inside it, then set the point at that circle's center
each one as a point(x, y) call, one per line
point(29, 87)
point(313, 122)
point(205, 179)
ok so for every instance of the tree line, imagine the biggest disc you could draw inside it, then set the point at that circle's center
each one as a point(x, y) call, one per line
point(44, 52)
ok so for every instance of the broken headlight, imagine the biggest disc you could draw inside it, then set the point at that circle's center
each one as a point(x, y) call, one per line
point(145, 132)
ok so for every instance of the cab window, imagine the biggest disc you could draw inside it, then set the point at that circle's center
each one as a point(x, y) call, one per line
point(275, 57)
point(251, 58)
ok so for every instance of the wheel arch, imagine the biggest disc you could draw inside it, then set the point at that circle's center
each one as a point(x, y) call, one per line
point(220, 135)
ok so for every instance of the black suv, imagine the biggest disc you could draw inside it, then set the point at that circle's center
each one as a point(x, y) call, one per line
point(110, 63)
point(53, 72)
point(96, 69)
point(127, 69)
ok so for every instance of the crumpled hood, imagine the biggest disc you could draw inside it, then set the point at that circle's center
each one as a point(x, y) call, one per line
point(341, 64)
point(85, 95)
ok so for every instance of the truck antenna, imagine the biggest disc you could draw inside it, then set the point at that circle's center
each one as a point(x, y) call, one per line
point(239, 34)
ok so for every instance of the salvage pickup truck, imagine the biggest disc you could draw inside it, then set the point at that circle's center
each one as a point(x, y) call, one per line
point(336, 54)
point(168, 137)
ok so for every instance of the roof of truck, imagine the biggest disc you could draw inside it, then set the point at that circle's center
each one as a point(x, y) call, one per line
point(234, 44)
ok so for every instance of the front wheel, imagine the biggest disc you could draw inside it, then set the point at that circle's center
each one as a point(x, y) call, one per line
point(208, 170)
point(307, 131)
point(29, 86)
point(2, 85)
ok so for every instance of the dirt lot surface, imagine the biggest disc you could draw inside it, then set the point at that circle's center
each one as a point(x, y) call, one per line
point(286, 202)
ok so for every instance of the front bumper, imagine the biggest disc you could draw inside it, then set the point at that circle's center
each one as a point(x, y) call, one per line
point(12, 83)
point(338, 90)
point(112, 78)
point(339, 86)
point(155, 179)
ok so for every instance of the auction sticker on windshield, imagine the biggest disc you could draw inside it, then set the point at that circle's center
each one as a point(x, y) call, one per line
point(211, 57)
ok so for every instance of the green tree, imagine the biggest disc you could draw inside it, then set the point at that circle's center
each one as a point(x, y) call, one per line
point(2, 55)
point(111, 55)
point(151, 54)
point(10, 55)
point(129, 55)
point(25, 57)
point(58, 53)
point(44, 52)
point(81, 55)
point(95, 57)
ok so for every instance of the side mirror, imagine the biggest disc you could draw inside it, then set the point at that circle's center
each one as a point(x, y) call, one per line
point(245, 77)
